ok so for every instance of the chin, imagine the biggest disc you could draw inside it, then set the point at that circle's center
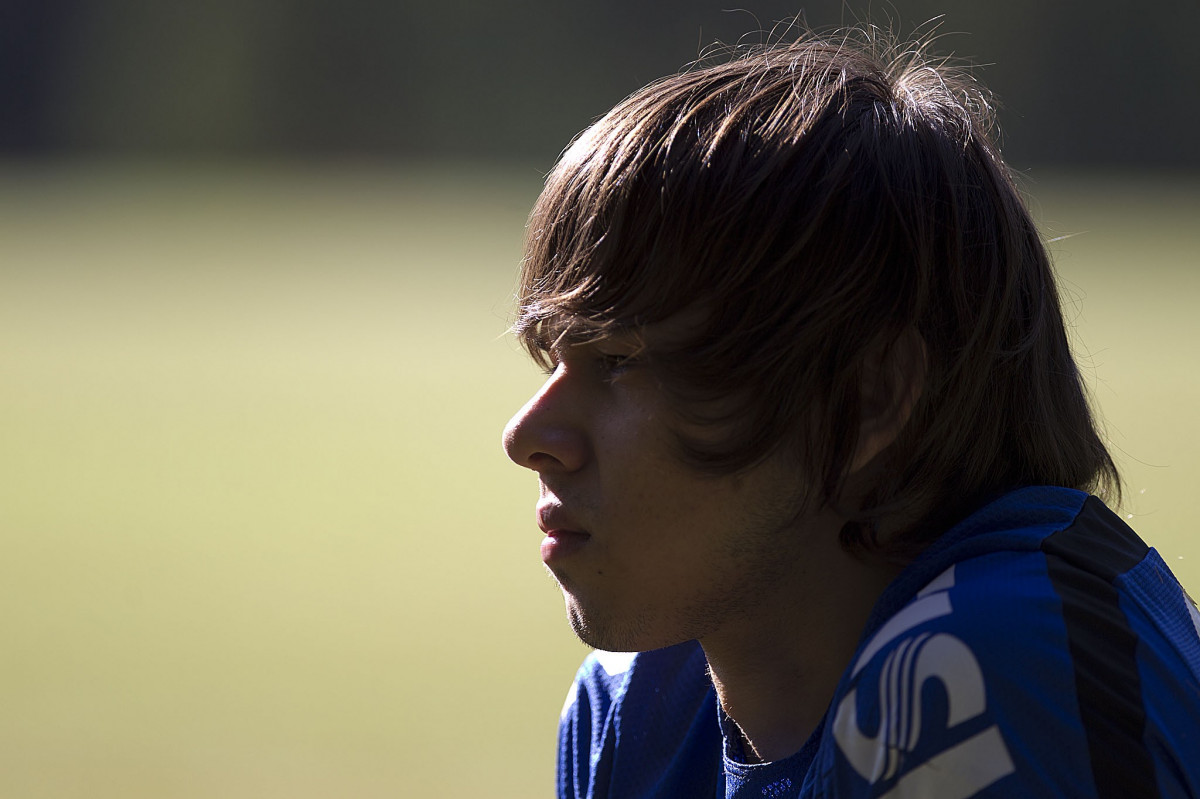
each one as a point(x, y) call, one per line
point(613, 633)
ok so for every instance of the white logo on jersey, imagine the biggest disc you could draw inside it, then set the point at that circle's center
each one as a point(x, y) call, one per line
point(955, 773)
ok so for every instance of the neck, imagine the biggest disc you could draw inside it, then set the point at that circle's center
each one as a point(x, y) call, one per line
point(777, 668)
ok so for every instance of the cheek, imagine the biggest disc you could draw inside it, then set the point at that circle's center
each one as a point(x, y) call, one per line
point(665, 517)
point(677, 526)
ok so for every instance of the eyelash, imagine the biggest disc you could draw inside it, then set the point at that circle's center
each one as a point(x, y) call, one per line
point(614, 365)
point(610, 365)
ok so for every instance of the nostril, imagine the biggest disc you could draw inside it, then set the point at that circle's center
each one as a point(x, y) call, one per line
point(543, 462)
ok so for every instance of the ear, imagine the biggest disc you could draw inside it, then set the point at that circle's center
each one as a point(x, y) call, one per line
point(893, 378)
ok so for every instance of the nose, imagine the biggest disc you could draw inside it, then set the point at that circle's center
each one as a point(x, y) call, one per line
point(548, 434)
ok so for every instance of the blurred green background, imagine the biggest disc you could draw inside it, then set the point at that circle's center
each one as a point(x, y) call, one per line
point(256, 265)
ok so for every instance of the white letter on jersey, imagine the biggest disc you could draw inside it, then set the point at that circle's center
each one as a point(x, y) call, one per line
point(960, 770)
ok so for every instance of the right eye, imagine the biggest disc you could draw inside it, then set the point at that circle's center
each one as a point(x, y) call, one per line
point(606, 360)
point(613, 364)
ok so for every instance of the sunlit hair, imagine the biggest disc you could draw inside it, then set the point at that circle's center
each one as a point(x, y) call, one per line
point(813, 201)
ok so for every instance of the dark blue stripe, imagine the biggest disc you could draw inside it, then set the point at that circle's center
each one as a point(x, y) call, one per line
point(1083, 561)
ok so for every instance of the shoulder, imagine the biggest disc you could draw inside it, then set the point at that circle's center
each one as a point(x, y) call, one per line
point(605, 678)
point(636, 720)
point(1032, 668)
point(601, 679)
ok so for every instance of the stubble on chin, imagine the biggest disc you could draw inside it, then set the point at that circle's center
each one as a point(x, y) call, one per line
point(642, 631)
point(605, 632)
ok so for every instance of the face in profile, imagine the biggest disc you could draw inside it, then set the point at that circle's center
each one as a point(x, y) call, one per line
point(647, 550)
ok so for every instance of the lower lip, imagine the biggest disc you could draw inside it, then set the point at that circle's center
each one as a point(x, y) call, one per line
point(559, 544)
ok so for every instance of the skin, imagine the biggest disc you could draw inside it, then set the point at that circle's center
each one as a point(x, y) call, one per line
point(672, 555)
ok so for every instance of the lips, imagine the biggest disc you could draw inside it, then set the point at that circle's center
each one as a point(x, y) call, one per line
point(563, 538)
point(559, 544)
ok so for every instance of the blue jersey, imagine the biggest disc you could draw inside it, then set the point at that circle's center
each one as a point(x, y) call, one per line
point(1037, 649)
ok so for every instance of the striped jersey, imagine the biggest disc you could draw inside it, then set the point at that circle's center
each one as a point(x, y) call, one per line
point(1037, 649)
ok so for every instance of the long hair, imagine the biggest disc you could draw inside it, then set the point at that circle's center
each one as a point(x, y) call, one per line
point(814, 199)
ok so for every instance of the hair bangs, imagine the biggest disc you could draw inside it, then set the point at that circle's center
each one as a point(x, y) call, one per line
point(625, 233)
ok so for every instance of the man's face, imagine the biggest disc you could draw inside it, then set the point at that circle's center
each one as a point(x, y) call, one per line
point(648, 551)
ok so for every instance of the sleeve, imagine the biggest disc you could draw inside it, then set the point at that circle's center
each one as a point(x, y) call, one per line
point(586, 735)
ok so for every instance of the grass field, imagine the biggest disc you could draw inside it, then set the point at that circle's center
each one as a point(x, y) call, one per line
point(259, 536)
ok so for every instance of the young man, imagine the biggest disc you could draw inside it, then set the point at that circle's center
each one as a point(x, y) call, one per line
point(813, 444)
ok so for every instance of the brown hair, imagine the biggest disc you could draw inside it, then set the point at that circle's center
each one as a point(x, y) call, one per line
point(816, 199)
